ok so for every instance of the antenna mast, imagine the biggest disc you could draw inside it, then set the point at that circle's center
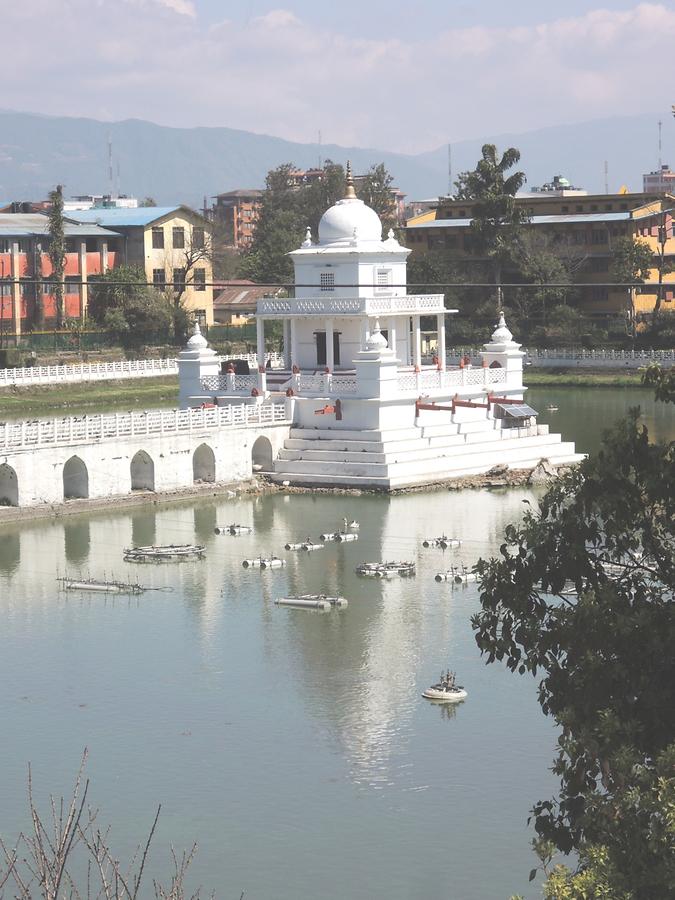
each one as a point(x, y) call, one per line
point(320, 159)
point(606, 177)
point(660, 158)
point(110, 166)
point(449, 170)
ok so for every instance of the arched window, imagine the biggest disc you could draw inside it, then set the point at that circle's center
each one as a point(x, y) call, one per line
point(75, 479)
point(9, 486)
point(261, 455)
point(495, 365)
point(142, 472)
point(204, 464)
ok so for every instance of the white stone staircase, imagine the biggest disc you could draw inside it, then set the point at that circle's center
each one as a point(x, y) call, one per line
point(407, 456)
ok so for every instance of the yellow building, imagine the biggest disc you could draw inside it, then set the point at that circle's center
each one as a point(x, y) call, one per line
point(173, 246)
point(588, 225)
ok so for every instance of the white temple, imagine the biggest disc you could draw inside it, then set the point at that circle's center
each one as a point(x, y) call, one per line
point(368, 406)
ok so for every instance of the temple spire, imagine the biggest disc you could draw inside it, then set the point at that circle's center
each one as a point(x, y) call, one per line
point(350, 193)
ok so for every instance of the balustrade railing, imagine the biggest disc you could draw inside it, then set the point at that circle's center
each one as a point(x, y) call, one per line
point(85, 429)
point(434, 380)
point(122, 368)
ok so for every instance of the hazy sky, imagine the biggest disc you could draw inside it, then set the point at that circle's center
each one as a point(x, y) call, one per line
point(401, 76)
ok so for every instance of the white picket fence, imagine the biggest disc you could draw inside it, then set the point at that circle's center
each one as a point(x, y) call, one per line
point(123, 368)
point(576, 357)
point(27, 435)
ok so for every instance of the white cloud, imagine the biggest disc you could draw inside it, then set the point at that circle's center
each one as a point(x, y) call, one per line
point(280, 75)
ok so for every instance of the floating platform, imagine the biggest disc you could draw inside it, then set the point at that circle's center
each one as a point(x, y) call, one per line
point(165, 553)
point(386, 569)
point(457, 575)
point(233, 529)
point(312, 601)
point(443, 542)
point(264, 562)
point(99, 586)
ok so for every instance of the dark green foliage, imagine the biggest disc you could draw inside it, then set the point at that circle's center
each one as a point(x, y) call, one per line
point(121, 302)
point(496, 220)
point(288, 210)
point(604, 652)
point(57, 252)
point(375, 191)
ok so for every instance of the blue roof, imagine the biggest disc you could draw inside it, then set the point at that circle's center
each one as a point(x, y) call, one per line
point(117, 217)
point(579, 218)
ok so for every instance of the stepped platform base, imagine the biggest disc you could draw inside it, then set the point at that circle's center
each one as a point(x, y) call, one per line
point(403, 458)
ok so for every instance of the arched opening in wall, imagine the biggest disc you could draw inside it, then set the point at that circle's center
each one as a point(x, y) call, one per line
point(204, 464)
point(142, 472)
point(75, 479)
point(495, 365)
point(262, 455)
point(9, 486)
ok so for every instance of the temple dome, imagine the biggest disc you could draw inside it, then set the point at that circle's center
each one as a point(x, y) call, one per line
point(350, 219)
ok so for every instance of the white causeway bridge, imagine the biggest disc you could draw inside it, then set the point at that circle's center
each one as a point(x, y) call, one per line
point(49, 461)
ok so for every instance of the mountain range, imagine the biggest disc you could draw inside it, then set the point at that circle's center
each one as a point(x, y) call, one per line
point(185, 165)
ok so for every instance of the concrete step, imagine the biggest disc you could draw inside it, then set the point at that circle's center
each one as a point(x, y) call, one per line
point(353, 446)
point(439, 462)
point(340, 434)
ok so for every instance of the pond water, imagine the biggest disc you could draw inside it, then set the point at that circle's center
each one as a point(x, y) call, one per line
point(293, 746)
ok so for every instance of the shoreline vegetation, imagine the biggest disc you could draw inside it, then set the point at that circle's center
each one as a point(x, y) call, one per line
point(46, 401)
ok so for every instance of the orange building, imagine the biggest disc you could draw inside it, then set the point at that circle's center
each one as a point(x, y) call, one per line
point(24, 261)
point(586, 225)
point(238, 211)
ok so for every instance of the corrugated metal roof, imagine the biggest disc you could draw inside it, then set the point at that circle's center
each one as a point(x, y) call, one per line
point(30, 224)
point(579, 219)
point(123, 218)
point(240, 295)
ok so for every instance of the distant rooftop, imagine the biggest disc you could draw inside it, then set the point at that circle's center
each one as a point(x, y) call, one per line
point(580, 218)
point(33, 224)
point(125, 218)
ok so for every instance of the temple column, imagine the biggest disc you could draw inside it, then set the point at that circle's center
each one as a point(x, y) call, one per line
point(365, 331)
point(287, 344)
point(330, 356)
point(260, 335)
point(417, 343)
point(294, 343)
point(440, 329)
point(391, 333)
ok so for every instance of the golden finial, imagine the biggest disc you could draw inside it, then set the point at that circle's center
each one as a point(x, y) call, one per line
point(350, 193)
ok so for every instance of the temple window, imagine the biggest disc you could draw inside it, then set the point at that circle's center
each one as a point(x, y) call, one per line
point(327, 281)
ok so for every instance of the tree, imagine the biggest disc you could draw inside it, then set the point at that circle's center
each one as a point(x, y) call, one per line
point(184, 268)
point(288, 209)
point(375, 189)
point(583, 594)
point(537, 257)
point(57, 251)
point(122, 302)
point(496, 219)
point(632, 262)
point(148, 201)
point(68, 853)
point(664, 264)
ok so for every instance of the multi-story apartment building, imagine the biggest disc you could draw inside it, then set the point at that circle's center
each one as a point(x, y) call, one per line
point(661, 181)
point(26, 299)
point(171, 243)
point(237, 212)
point(586, 225)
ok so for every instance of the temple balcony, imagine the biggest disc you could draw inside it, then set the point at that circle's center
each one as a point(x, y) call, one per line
point(325, 305)
point(428, 381)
